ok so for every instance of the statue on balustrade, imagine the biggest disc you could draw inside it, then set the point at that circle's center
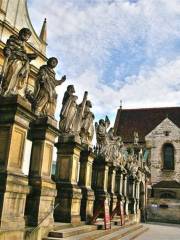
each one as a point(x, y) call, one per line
point(101, 133)
point(87, 126)
point(136, 138)
point(16, 67)
point(71, 113)
point(45, 96)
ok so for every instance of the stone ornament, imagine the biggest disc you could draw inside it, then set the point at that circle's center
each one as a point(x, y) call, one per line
point(45, 97)
point(108, 146)
point(16, 65)
point(87, 126)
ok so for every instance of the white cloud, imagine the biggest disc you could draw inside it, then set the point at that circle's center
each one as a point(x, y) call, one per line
point(84, 33)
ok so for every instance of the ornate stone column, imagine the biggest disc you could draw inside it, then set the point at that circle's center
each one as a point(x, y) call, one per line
point(67, 175)
point(111, 187)
point(15, 116)
point(40, 202)
point(100, 182)
point(85, 179)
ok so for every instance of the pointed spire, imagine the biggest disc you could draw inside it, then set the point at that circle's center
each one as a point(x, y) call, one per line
point(120, 104)
point(43, 34)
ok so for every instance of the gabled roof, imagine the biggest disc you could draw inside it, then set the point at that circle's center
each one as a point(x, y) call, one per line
point(142, 120)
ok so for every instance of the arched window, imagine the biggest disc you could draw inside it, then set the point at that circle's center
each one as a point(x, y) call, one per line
point(168, 157)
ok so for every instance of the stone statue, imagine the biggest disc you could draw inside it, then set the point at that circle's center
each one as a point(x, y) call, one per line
point(87, 127)
point(136, 138)
point(16, 65)
point(68, 111)
point(71, 113)
point(45, 96)
point(101, 132)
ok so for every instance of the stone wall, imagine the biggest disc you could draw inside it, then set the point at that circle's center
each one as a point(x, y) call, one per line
point(155, 141)
point(163, 210)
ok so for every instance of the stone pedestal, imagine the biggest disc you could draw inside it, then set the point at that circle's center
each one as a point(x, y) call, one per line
point(100, 182)
point(120, 187)
point(126, 199)
point(67, 175)
point(85, 179)
point(131, 195)
point(15, 116)
point(111, 187)
point(137, 194)
point(40, 202)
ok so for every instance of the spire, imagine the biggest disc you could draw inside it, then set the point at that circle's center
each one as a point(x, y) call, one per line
point(43, 34)
point(120, 104)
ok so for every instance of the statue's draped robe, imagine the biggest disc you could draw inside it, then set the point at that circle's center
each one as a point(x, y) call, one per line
point(45, 94)
point(87, 128)
point(68, 113)
point(16, 71)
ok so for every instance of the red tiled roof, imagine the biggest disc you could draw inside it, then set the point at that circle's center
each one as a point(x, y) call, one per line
point(143, 121)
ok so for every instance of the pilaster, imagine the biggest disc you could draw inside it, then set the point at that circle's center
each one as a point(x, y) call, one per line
point(85, 180)
point(15, 117)
point(69, 194)
point(40, 202)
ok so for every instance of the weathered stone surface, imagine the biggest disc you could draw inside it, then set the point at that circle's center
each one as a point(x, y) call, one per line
point(40, 201)
point(14, 123)
point(67, 174)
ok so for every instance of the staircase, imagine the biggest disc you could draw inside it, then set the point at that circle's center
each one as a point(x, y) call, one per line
point(67, 231)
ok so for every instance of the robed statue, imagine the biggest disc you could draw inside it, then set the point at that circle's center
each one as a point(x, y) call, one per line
point(87, 126)
point(71, 113)
point(45, 96)
point(16, 67)
point(68, 111)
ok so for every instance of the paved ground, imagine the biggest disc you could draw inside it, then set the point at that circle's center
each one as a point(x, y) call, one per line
point(160, 231)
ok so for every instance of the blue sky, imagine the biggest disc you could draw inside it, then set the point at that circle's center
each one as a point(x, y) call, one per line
point(115, 49)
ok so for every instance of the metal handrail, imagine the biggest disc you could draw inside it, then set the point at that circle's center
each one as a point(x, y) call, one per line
point(37, 227)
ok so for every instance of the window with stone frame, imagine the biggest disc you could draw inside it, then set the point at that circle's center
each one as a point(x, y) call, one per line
point(168, 157)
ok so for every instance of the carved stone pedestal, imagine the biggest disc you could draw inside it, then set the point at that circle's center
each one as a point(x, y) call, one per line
point(15, 116)
point(131, 195)
point(120, 187)
point(85, 179)
point(40, 202)
point(111, 187)
point(100, 182)
point(126, 199)
point(67, 175)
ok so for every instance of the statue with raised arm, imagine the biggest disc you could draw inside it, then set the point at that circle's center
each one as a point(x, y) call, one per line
point(16, 67)
point(87, 126)
point(101, 133)
point(45, 96)
point(68, 111)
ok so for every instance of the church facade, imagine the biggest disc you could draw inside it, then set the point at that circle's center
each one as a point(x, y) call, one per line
point(159, 135)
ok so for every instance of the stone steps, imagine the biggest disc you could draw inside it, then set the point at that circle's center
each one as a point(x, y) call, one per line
point(135, 234)
point(122, 232)
point(91, 232)
point(72, 231)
